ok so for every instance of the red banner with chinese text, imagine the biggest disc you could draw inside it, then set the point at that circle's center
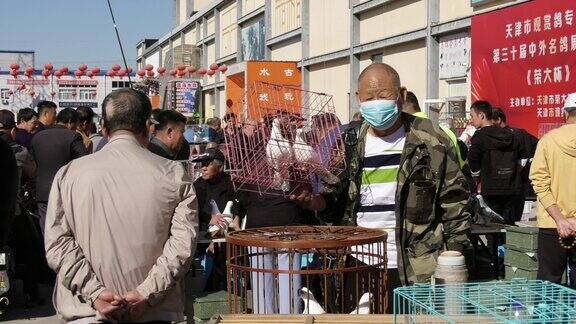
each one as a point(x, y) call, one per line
point(524, 61)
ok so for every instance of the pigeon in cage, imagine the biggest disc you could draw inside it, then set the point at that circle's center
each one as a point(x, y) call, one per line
point(279, 155)
point(311, 305)
point(363, 305)
point(308, 158)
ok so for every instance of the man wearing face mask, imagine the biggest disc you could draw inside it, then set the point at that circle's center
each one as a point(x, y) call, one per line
point(404, 178)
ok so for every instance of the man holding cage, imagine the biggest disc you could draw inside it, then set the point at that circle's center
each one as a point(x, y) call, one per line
point(403, 177)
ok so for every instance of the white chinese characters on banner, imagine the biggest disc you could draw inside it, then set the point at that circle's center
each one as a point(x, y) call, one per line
point(454, 55)
point(264, 72)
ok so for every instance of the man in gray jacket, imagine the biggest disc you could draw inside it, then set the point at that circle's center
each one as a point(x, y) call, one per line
point(121, 225)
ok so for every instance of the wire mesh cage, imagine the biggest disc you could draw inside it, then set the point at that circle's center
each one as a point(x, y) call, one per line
point(516, 301)
point(287, 140)
point(307, 269)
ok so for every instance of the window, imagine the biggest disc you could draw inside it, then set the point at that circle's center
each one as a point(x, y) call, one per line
point(67, 93)
point(120, 84)
point(88, 94)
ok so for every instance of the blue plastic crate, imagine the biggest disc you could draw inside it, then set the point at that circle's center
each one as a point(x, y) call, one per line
point(516, 301)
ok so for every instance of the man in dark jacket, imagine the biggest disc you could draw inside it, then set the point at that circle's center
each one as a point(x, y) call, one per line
point(495, 161)
point(527, 143)
point(169, 134)
point(27, 123)
point(46, 114)
point(52, 149)
point(8, 190)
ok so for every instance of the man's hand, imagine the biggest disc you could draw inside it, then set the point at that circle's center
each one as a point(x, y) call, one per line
point(218, 220)
point(137, 305)
point(110, 305)
point(309, 200)
point(566, 227)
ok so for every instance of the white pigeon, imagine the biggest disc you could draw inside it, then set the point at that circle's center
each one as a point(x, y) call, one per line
point(311, 306)
point(215, 230)
point(363, 305)
point(310, 158)
point(280, 155)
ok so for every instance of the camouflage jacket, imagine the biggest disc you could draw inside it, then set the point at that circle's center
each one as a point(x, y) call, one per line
point(430, 198)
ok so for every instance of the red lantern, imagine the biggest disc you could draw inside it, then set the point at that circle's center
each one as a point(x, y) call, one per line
point(213, 66)
point(150, 73)
point(149, 67)
point(28, 74)
point(53, 93)
point(46, 74)
point(90, 74)
point(173, 72)
point(96, 70)
point(116, 67)
point(141, 73)
point(210, 72)
point(181, 67)
point(29, 70)
point(79, 73)
point(181, 73)
point(64, 70)
point(15, 66)
point(223, 68)
point(83, 67)
point(14, 73)
point(111, 73)
point(48, 67)
point(161, 70)
point(58, 74)
point(202, 71)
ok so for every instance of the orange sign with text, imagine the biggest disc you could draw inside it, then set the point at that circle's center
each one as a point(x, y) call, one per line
point(264, 85)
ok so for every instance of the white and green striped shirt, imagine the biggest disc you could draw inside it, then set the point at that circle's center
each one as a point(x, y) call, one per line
point(378, 188)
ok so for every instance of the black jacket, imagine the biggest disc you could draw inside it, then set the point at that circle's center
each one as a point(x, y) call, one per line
point(220, 191)
point(495, 155)
point(159, 150)
point(8, 190)
point(52, 149)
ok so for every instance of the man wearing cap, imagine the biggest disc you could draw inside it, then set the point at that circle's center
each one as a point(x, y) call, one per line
point(552, 172)
point(216, 185)
point(169, 134)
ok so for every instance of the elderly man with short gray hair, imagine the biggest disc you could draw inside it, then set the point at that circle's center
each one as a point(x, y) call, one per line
point(121, 225)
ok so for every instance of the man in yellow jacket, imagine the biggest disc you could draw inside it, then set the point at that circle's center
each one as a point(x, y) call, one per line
point(552, 169)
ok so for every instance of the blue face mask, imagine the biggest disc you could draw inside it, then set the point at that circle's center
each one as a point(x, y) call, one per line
point(380, 114)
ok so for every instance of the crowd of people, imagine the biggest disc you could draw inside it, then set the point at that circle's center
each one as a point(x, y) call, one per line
point(119, 216)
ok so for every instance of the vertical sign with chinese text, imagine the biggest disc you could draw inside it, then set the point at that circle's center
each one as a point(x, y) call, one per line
point(524, 60)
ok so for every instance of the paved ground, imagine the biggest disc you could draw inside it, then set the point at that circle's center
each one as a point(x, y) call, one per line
point(37, 315)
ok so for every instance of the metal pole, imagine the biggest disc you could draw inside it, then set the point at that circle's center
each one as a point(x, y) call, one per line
point(119, 42)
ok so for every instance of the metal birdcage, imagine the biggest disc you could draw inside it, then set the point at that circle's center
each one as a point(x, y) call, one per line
point(287, 140)
point(307, 270)
point(516, 301)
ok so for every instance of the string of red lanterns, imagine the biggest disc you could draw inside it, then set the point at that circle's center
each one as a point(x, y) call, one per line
point(117, 71)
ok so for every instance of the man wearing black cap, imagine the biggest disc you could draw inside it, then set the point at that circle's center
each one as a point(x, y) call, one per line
point(216, 185)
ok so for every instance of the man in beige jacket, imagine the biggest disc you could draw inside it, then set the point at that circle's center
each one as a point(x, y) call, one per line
point(121, 225)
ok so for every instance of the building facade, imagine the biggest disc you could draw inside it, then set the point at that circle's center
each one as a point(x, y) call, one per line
point(427, 41)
